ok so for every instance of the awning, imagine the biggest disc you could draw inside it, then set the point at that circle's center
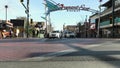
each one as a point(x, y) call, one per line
point(9, 24)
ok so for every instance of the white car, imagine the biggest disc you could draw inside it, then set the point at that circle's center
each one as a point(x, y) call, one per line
point(69, 34)
point(55, 34)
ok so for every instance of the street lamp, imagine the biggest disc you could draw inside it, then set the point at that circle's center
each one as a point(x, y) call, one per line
point(6, 6)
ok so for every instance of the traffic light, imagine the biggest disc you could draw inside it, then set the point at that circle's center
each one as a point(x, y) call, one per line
point(21, 0)
point(31, 21)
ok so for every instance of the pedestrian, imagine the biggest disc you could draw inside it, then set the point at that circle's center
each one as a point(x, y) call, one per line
point(11, 32)
point(37, 33)
point(4, 33)
point(17, 32)
point(0, 34)
point(33, 32)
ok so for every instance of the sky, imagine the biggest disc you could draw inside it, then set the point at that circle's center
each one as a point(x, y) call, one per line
point(58, 18)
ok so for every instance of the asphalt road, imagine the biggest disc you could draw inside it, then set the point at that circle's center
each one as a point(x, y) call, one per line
point(61, 53)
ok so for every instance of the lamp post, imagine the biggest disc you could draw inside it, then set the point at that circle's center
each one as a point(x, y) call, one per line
point(6, 6)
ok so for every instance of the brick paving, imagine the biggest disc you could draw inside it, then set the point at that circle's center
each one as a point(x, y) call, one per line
point(21, 50)
point(16, 49)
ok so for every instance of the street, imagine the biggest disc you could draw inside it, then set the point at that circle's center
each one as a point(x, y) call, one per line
point(60, 34)
point(72, 53)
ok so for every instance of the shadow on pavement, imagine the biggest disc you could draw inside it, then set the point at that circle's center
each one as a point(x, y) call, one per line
point(37, 54)
point(88, 55)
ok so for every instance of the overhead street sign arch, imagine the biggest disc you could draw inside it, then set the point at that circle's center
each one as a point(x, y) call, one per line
point(52, 6)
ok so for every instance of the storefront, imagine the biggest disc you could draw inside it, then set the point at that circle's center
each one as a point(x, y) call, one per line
point(106, 23)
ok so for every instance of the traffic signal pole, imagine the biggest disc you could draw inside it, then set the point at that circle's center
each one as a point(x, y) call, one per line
point(27, 12)
point(27, 18)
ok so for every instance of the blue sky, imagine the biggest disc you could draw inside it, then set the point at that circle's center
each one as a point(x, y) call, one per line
point(58, 18)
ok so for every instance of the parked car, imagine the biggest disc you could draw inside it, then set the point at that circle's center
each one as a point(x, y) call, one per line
point(55, 34)
point(69, 34)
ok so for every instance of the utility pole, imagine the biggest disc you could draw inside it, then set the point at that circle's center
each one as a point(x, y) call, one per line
point(50, 23)
point(79, 27)
point(99, 20)
point(27, 12)
point(86, 26)
point(113, 17)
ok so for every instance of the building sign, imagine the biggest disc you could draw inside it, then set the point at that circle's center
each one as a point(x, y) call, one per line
point(92, 26)
point(9, 24)
point(74, 8)
point(17, 22)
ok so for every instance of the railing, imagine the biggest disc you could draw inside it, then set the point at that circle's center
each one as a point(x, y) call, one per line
point(104, 23)
point(117, 20)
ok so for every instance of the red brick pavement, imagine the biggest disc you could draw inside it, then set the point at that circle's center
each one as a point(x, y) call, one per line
point(22, 50)
point(16, 51)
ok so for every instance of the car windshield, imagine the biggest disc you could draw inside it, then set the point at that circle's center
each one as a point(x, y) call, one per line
point(70, 32)
point(59, 33)
point(55, 31)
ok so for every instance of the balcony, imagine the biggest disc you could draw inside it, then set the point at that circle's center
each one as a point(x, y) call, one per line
point(106, 24)
point(117, 20)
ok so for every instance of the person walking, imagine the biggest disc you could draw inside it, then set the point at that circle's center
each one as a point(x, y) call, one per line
point(17, 32)
point(0, 34)
point(33, 33)
point(11, 33)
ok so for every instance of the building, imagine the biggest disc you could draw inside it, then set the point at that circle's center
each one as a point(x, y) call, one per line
point(72, 28)
point(18, 24)
point(5, 29)
point(106, 22)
